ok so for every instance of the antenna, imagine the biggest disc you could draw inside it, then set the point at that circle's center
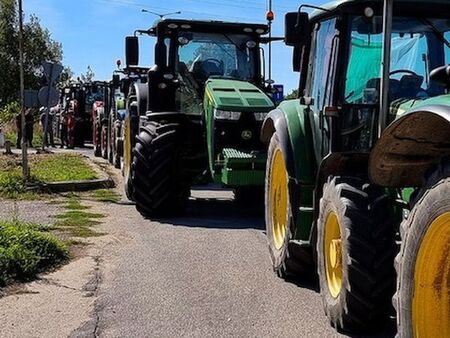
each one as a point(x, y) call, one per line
point(161, 16)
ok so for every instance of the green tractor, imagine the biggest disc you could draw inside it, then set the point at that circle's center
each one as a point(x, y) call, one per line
point(359, 163)
point(199, 113)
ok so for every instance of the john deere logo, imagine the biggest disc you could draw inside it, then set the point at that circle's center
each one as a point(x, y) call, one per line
point(246, 135)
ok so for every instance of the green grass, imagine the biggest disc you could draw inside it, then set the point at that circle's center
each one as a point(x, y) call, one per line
point(106, 195)
point(27, 249)
point(77, 221)
point(61, 167)
point(43, 168)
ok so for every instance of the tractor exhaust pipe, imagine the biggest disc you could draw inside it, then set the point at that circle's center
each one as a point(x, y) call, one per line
point(386, 65)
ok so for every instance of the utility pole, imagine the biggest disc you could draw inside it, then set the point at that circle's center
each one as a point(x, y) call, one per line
point(270, 16)
point(25, 171)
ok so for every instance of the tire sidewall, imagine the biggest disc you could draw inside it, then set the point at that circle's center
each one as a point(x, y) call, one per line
point(278, 256)
point(433, 203)
point(331, 202)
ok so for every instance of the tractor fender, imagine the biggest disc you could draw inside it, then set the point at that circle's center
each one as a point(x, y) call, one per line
point(275, 121)
point(141, 92)
point(291, 123)
point(410, 146)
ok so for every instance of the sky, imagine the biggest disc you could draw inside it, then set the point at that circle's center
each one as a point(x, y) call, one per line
point(92, 32)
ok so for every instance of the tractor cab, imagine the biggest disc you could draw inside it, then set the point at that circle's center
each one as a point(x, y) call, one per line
point(344, 87)
point(189, 54)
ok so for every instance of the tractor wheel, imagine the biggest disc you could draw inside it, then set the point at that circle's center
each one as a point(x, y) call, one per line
point(157, 175)
point(288, 258)
point(97, 142)
point(104, 142)
point(423, 264)
point(355, 254)
point(111, 140)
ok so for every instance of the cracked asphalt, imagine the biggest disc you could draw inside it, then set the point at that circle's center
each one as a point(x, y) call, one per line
point(206, 274)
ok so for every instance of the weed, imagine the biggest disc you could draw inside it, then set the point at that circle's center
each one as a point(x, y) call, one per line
point(77, 221)
point(27, 249)
point(106, 195)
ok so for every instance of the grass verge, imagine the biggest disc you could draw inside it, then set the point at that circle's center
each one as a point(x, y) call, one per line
point(27, 249)
point(43, 168)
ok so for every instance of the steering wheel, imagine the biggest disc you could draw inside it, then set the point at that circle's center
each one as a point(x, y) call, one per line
point(407, 71)
point(216, 61)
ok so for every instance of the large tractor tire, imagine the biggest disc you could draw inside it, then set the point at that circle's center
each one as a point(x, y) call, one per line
point(160, 187)
point(288, 258)
point(355, 255)
point(104, 135)
point(97, 141)
point(111, 139)
point(422, 299)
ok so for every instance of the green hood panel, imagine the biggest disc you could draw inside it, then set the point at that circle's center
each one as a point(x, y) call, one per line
point(402, 106)
point(234, 95)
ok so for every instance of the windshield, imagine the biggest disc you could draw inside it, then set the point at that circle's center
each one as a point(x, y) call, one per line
point(217, 54)
point(419, 45)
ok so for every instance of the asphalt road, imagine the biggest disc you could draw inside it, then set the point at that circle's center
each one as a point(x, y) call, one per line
point(207, 274)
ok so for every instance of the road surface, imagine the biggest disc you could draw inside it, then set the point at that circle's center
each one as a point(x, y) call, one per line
point(206, 274)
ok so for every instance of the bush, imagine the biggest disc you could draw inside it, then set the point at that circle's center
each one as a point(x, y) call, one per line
point(25, 250)
point(9, 111)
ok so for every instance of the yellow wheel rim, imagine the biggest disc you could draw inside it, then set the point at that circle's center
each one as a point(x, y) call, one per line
point(333, 254)
point(278, 194)
point(431, 300)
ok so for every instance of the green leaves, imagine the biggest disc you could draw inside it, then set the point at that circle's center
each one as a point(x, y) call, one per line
point(38, 47)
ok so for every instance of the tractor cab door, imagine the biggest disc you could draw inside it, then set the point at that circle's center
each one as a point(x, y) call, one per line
point(320, 82)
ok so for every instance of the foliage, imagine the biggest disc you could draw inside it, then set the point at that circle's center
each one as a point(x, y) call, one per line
point(26, 249)
point(292, 95)
point(9, 111)
point(38, 47)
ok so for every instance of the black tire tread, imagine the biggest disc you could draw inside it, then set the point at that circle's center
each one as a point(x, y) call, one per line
point(161, 187)
point(364, 302)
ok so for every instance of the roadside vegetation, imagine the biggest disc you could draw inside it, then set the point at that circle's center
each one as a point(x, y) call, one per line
point(43, 168)
point(106, 195)
point(27, 249)
point(77, 220)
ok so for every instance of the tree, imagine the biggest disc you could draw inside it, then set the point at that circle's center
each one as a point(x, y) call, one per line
point(89, 76)
point(38, 47)
point(292, 95)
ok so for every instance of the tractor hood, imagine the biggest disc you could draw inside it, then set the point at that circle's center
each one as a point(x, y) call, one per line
point(235, 95)
point(403, 106)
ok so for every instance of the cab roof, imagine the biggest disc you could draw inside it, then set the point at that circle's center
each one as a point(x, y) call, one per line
point(340, 4)
point(209, 26)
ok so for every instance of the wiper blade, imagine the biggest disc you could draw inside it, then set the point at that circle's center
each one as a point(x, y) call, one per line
point(437, 32)
point(234, 43)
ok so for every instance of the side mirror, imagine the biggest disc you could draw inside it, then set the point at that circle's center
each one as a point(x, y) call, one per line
point(296, 28)
point(116, 80)
point(132, 51)
point(441, 76)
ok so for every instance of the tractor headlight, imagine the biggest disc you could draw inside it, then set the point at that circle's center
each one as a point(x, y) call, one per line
point(260, 116)
point(227, 115)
